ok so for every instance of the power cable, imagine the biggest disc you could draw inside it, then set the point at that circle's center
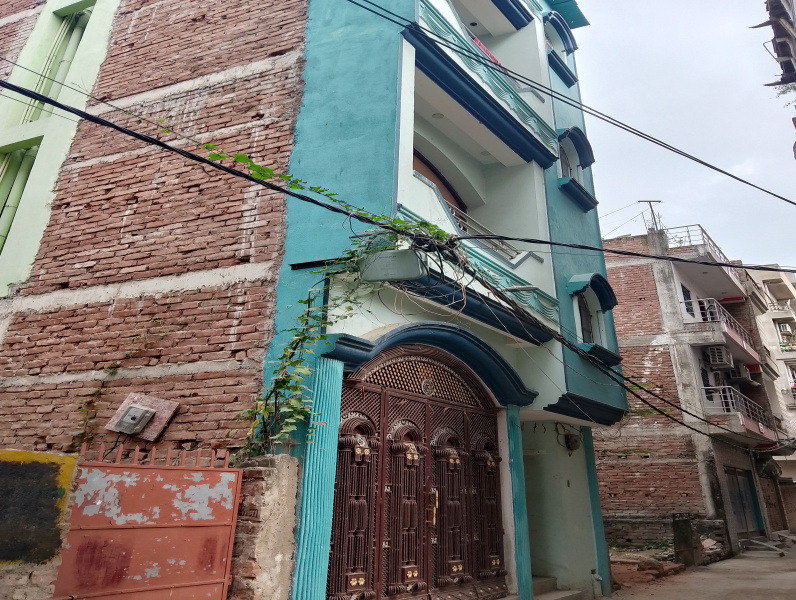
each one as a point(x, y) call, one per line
point(676, 259)
point(617, 210)
point(504, 297)
point(625, 223)
point(488, 63)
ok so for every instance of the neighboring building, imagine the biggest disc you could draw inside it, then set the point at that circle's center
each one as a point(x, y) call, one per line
point(454, 453)
point(782, 20)
point(778, 330)
point(690, 334)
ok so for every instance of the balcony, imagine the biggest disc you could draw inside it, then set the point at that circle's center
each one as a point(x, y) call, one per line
point(470, 226)
point(691, 241)
point(710, 312)
point(752, 418)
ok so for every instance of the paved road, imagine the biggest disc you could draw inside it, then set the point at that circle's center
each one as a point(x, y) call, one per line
point(741, 578)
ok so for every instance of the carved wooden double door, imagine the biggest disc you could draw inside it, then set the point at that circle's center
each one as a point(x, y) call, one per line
point(417, 509)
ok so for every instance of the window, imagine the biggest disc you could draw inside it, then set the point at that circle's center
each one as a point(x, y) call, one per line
point(586, 325)
point(15, 169)
point(689, 305)
point(566, 166)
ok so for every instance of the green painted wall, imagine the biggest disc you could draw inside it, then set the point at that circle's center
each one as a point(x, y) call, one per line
point(568, 223)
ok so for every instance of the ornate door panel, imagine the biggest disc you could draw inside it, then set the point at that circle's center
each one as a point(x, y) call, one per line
point(417, 494)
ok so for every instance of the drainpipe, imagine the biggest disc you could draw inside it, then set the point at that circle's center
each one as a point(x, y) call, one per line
point(8, 174)
point(69, 54)
point(14, 196)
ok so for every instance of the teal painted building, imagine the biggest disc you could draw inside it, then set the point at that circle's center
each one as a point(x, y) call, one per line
point(413, 113)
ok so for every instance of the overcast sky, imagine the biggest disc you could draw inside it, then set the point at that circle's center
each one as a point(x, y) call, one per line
point(691, 74)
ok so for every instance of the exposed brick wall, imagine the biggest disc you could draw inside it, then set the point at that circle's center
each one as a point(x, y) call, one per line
point(159, 43)
point(648, 476)
point(634, 243)
point(212, 324)
point(12, 7)
point(638, 312)
point(789, 503)
point(12, 38)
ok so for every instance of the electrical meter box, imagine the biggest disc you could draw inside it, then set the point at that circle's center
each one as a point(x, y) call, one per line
point(134, 419)
point(392, 265)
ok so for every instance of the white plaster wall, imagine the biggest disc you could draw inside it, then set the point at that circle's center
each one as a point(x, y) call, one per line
point(559, 512)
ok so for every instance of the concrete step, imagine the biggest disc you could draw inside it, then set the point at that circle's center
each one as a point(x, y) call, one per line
point(543, 584)
point(760, 554)
point(560, 595)
point(763, 546)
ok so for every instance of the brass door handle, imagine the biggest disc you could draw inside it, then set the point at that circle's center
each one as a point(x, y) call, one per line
point(434, 506)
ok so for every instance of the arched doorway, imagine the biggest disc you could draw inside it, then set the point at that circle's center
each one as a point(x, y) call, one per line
point(417, 509)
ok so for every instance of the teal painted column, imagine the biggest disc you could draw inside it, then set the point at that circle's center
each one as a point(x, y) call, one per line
point(522, 544)
point(600, 546)
point(317, 488)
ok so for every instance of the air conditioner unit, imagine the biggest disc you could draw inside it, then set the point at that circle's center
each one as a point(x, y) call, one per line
point(720, 358)
point(785, 329)
point(740, 373)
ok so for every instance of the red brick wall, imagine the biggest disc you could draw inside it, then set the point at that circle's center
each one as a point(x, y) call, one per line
point(11, 7)
point(12, 38)
point(160, 43)
point(126, 213)
point(789, 503)
point(638, 312)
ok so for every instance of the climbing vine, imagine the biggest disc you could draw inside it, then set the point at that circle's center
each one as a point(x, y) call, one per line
point(285, 408)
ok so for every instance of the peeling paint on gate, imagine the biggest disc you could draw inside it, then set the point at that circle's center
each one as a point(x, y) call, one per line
point(136, 529)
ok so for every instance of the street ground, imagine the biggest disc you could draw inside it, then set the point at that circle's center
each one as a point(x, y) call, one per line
point(740, 578)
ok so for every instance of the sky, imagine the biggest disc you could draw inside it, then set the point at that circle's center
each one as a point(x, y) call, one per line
point(692, 74)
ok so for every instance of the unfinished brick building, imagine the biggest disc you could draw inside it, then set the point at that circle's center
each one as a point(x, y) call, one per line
point(689, 333)
point(127, 269)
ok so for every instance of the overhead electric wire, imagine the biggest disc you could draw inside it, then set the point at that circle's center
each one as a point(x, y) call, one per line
point(486, 62)
point(675, 259)
point(641, 214)
point(370, 221)
point(617, 210)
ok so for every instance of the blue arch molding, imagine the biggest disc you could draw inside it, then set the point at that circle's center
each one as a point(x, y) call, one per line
point(517, 13)
point(581, 407)
point(599, 285)
point(494, 371)
point(581, 143)
point(571, 12)
point(443, 71)
point(563, 30)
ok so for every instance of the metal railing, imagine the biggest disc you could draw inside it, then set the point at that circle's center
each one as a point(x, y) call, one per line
point(709, 310)
point(469, 225)
point(725, 400)
point(694, 235)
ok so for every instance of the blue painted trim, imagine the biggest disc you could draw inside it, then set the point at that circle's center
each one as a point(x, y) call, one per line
point(522, 543)
point(470, 303)
point(562, 29)
point(600, 545)
point(448, 75)
point(561, 69)
point(517, 13)
point(586, 409)
point(479, 356)
point(314, 534)
point(576, 192)
point(581, 143)
point(599, 285)
point(602, 353)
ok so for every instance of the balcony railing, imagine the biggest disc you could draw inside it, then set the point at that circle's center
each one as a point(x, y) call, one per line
point(694, 235)
point(787, 347)
point(469, 225)
point(726, 400)
point(709, 310)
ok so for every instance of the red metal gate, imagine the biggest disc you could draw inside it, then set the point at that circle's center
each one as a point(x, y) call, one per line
point(151, 531)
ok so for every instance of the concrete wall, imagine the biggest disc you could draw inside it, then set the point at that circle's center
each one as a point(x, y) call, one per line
point(560, 522)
